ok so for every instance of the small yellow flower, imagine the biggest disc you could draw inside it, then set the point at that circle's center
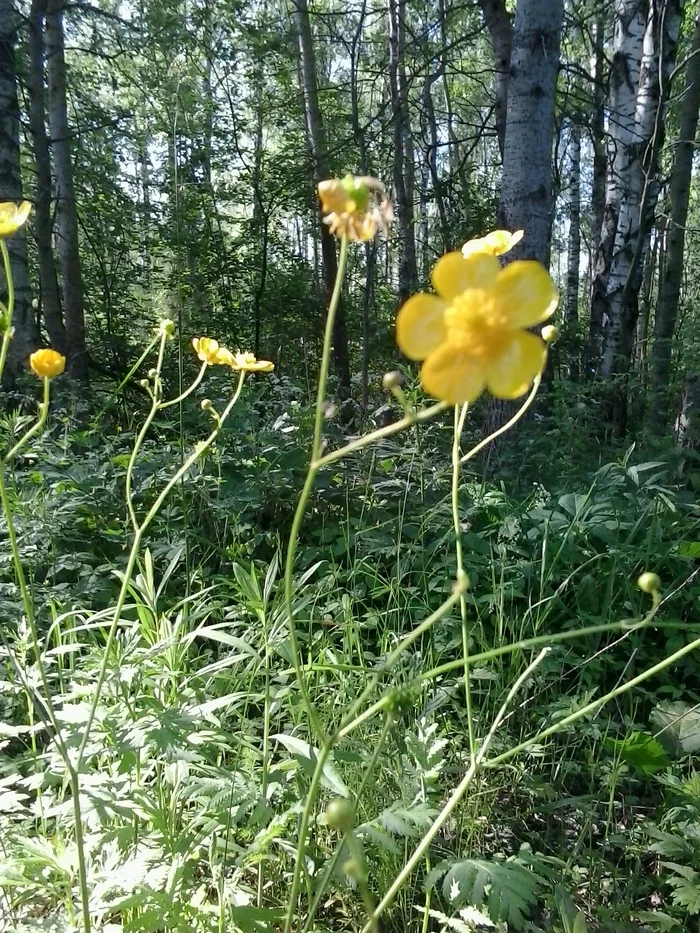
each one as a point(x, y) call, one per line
point(249, 364)
point(473, 333)
point(355, 206)
point(207, 349)
point(495, 243)
point(12, 216)
point(47, 363)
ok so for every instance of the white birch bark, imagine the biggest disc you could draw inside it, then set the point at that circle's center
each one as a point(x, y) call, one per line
point(639, 184)
point(526, 195)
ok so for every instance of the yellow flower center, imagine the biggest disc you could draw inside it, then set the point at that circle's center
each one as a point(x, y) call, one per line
point(476, 323)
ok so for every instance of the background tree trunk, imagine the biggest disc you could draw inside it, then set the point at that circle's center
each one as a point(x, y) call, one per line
point(320, 170)
point(526, 202)
point(672, 273)
point(500, 28)
point(526, 193)
point(630, 24)
point(66, 211)
point(48, 281)
point(26, 336)
point(403, 151)
point(574, 248)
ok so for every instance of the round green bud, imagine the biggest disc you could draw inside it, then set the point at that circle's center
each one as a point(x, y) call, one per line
point(649, 582)
point(145, 384)
point(152, 373)
point(167, 327)
point(206, 404)
point(392, 380)
point(550, 333)
point(340, 815)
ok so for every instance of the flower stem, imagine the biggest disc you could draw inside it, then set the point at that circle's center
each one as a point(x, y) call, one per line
point(314, 467)
point(509, 424)
point(460, 416)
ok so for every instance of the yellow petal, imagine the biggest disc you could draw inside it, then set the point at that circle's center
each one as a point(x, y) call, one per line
point(454, 273)
point(511, 372)
point(420, 328)
point(496, 243)
point(453, 375)
point(526, 293)
point(263, 366)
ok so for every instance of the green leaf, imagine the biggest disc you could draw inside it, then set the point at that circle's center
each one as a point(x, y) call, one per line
point(678, 725)
point(641, 751)
point(508, 888)
point(658, 919)
point(308, 756)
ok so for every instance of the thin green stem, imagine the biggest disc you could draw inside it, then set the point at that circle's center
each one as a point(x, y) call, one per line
point(34, 430)
point(351, 719)
point(10, 307)
point(6, 338)
point(188, 391)
point(509, 424)
point(406, 422)
point(47, 703)
point(369, 770)
point(323, 754)
point(127, 377)
point(452, 803)
point(460, 417)
point(314, 467)
point(133, 555)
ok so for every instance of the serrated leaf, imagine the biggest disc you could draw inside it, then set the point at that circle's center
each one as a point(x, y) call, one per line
point(508, 888)
point(641, 751)
point(678, 726)
point(308, 756)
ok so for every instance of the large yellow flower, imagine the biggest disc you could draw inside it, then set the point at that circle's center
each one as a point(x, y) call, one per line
point(248, 363)
point(472, 334)
point(47, 363)
point(12, 216)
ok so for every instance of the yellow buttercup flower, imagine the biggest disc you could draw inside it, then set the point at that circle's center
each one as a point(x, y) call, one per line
point(47, 363)
point(249, 364)
point(13, 216)
point(209, 351)
point(472, 334)
point(495, 243)
point(355, 206)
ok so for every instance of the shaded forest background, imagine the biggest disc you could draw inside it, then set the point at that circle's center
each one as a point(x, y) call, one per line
point(171, 150)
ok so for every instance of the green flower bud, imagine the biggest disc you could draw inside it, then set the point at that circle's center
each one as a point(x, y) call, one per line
point(550, 334)
point(649, 582)
point(340, 815)
point(392, 380)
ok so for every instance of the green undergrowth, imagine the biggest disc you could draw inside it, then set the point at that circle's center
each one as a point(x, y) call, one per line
point(199, 759)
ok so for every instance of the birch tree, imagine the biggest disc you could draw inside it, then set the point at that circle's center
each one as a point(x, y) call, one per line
point(672, 273)
point(639, 190)
point(527, 158)
point(500, 28)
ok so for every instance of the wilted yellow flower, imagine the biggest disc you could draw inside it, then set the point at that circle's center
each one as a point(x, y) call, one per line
point(47, 363)
point(355, 206)
point(495, 243)
point(12, 216)
point(249, 364)
point(473, 333)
